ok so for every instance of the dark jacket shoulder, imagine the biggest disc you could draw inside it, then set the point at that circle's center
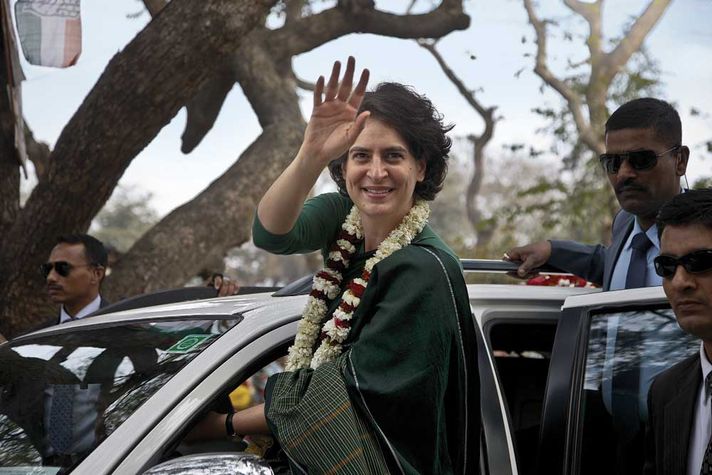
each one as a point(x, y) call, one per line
point(668, 382)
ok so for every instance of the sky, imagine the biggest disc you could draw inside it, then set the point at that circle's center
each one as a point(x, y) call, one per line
point(681, 43)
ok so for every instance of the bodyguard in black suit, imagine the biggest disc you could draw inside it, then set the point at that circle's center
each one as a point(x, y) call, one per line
point(644, 161)
point(73, 273)
point(680, 422)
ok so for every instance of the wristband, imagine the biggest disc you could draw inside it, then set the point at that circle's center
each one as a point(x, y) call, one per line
point(228, 424)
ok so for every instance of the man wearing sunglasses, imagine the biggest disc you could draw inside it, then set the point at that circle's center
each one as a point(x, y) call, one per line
point(644, 161)
point(679, 426)
point(74, 273)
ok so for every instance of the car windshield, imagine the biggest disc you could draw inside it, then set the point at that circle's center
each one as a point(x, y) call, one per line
point(62, 394)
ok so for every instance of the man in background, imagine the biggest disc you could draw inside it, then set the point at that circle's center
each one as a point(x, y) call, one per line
point(644, 161)
point(73, 273)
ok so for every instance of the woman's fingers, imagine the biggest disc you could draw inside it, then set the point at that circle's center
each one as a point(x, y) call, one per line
point(333, 85)
point(318, 91)
point(357, 95)
point(342, 91)
point(347, 81)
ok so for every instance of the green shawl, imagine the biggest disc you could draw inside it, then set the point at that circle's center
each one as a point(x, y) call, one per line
point(405, 392)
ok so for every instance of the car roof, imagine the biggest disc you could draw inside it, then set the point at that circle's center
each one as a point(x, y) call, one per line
point(523, 293)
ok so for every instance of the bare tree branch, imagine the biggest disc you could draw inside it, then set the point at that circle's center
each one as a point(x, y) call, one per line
point(634, 38)
point(306, 85)
point(301, 34)
point(604, 66)
point(588, 10)
point(474, 214)
point(541, 68)
point(309, 32)
point(203, 109)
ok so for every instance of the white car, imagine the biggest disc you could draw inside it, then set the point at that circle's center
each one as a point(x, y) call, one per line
point(550, 361)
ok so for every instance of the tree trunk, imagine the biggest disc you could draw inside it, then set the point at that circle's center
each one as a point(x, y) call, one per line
point(140, 91)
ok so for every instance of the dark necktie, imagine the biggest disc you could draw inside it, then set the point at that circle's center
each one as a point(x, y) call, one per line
point(706, 468)
point(61, 424)
point(638, 267)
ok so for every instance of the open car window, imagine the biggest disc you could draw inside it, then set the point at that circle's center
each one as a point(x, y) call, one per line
point(62, 394)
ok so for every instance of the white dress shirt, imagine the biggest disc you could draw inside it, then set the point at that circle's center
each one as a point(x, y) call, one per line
point(91, 308)
point(701, 423)
point(620, 271)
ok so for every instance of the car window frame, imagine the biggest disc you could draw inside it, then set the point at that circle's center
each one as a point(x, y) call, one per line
point(497, 448)
point(112, 451)
point(543, 316)
point(174, 423)
point(560, 442)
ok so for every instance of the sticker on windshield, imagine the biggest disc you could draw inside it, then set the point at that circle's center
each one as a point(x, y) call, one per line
point(188, 343)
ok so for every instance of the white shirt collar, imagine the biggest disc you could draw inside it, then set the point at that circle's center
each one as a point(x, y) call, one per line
point(91, 308)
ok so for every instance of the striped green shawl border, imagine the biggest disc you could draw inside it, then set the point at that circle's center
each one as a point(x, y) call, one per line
point(317, 425)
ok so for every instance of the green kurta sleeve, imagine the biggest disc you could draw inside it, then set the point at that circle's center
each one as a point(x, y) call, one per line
point(316, 227)
point(410, 367)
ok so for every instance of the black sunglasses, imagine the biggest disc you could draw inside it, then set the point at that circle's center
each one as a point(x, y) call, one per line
point(639, 160)
point(695, 263)
point(62, 268)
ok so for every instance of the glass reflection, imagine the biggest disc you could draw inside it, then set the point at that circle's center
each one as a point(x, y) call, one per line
point(626, 350)
point(62, 395)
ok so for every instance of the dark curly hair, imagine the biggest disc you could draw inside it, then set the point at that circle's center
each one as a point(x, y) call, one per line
point(418, 123)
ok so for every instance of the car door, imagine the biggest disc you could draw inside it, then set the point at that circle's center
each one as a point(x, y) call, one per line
point(607, 350)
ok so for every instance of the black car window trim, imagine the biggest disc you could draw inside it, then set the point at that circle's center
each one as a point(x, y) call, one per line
point(495, 428)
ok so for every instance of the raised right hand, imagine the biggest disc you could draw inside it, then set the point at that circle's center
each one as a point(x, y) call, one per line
point(531, 256)
point(334, 125)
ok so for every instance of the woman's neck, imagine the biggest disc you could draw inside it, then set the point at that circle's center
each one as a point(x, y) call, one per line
point(376, 231)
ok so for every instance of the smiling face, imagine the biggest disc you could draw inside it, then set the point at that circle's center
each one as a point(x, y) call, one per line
point(380, 174)
point(80, 286)
point(643, 192)
point(690, 294)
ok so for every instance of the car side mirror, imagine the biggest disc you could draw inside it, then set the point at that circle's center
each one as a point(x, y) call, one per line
point(214, 463)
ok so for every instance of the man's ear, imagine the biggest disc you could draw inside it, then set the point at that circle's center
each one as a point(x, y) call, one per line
point(98, 274)
point(681, 162)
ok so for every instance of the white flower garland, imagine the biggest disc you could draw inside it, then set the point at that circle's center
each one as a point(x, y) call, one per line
point(327, 284)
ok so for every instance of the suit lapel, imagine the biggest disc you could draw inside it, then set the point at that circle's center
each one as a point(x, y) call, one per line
point(620, 234)
point(678, 414)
